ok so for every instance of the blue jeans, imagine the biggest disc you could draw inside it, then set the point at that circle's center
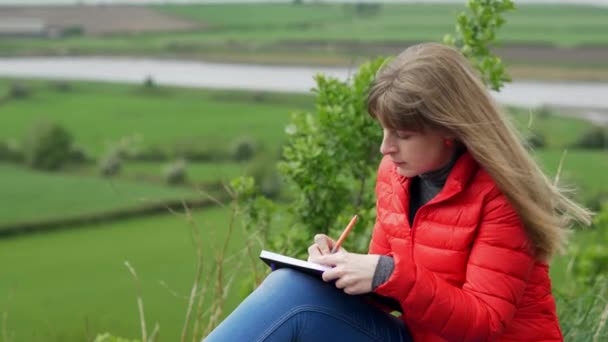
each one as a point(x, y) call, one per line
point(293, 306)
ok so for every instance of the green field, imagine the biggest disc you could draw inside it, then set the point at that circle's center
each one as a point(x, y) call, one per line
point(559, 25)
point(197, 172)
point(34, 196)
point(559, 132)
point(99, 115)
point(54, 285)
point(582, 171)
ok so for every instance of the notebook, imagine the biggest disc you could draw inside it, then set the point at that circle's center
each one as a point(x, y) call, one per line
point(276, 261)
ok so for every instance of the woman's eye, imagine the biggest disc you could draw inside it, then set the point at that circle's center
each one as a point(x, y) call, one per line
point(403, 135)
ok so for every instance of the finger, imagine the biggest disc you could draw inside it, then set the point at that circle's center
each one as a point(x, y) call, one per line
point(324, 242)
point(314, 249)
point(343, 283)
point(332, 259)
point(331, 275)
point(314, 252)
point(352, 290)
point(341, 250)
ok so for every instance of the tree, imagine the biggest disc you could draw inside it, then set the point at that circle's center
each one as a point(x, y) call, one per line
point(475, 35)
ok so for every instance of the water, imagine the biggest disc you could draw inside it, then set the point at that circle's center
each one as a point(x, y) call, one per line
point(531, 94)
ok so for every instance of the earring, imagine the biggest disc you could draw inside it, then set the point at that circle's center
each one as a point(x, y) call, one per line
point(448, 142)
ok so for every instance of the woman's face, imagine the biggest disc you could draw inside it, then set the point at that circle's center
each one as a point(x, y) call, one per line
point(416, 152)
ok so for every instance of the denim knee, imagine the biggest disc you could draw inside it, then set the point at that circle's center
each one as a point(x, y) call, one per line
point(287, 277)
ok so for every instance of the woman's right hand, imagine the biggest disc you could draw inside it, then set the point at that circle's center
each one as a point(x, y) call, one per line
point(322, 246)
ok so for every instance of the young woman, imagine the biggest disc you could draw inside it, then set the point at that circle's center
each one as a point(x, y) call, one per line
point(466, 225)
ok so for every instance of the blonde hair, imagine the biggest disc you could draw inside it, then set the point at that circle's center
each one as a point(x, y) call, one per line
point(434, 86)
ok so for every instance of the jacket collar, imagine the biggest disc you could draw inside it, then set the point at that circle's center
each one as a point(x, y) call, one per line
point(460, 175)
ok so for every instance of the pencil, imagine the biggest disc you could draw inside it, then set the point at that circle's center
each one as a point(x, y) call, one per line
point(347, 230)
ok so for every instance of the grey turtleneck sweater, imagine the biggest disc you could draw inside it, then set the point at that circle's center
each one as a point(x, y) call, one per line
point(422, 189)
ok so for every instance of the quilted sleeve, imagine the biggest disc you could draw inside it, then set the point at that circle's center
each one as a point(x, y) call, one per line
point(500, 262)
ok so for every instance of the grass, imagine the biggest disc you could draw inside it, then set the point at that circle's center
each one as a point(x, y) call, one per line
point(197, 172)
point(99, 115)
point(582, 169)
point(558, 25)
point(559, 132)
point(37, 196)
point(55, 285)
point(272, 23)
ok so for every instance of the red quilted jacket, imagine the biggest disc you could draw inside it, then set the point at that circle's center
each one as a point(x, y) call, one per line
point(464, 270)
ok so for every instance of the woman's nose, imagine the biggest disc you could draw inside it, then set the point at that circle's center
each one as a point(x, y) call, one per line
point(387, 147)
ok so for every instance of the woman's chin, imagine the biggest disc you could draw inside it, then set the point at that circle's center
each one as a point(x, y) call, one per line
point(405, 172)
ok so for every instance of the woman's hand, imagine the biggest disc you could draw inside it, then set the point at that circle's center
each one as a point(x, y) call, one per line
point(353, 272)
point(322, 246)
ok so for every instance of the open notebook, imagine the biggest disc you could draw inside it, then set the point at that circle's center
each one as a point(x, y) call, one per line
point(276, 261)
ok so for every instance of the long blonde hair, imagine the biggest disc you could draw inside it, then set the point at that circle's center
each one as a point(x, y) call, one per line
point(433, 86)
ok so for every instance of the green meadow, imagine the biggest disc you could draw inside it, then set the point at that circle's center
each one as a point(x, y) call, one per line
point(70, 285)
point(99, 115)
point(197, 172)
point(35, 196)
point(61, 285)
point(558, 25)
point(582, 171)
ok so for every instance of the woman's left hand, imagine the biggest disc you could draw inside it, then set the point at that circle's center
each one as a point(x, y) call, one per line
point(353, 272)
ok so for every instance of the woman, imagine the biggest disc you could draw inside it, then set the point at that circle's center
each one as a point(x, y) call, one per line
point(466, 225)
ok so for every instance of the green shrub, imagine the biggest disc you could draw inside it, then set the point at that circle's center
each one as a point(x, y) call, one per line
point(72, 31)
point(149, 82)
point(110, 165)
point(264, 171)
point(363, 9)
point(47, 146)
point(19, 91)
point(536, 140)
point(591, 259)
point(598, 201)
point(244, 150)
point(543, 112)
point(326, 164)
point(193, 150)
point(61, 86)
point(595, 137)
point(9, 151)
point(175, 173)
point(79, 155)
